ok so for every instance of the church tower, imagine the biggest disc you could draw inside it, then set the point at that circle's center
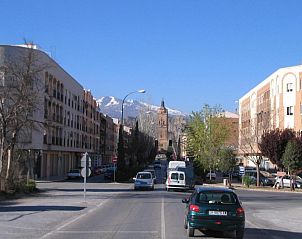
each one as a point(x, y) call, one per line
point(162, 127)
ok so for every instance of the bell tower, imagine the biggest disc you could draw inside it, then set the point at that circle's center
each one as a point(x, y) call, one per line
point(162, 127)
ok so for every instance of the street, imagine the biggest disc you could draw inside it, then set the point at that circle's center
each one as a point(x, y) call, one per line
point(115, 211)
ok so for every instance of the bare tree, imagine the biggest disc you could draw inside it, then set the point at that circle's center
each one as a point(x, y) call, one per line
point(251, 131)
point(20, 95)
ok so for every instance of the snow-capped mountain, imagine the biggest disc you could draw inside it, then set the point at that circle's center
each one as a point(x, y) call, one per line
point(112, 106)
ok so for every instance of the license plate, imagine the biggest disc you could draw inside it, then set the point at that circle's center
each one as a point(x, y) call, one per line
point(218, 213)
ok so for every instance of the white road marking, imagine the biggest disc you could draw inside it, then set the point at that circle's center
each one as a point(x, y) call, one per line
point(75, 219)
point(163, 222)
point(95, 232)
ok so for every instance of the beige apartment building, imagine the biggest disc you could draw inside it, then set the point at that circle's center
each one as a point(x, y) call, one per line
point(275, 103)
point(68, 121)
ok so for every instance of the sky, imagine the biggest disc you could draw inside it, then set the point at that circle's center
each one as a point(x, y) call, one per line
point(187, 52)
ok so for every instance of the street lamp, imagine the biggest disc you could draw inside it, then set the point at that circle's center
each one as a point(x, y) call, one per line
point(137, 91)
point(120, 147)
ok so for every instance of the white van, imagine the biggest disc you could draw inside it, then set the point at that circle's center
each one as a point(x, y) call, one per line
point(176, 180)
point(175, 164)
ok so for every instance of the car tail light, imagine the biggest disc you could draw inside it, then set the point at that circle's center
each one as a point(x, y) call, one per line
point(169, 180)
point(240, 211)
point(194, 208)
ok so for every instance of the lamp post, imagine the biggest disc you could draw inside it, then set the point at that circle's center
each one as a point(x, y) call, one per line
point(121, 154)
point(137, 91)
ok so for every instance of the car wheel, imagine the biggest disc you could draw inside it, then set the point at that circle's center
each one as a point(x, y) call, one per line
point(152, 187)
point(190, 230)
point(239, 234)
point(185, 224)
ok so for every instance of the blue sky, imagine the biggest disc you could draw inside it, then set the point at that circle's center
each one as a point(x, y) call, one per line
point(189, 52)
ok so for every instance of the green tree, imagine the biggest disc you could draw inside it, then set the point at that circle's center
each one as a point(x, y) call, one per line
point(227, 162)
point(292, 157)
point(207, 133)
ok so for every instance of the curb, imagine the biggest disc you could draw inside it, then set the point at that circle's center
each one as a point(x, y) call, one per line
point(252, 189)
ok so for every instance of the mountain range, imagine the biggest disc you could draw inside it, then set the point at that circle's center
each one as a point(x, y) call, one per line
point(112, 106)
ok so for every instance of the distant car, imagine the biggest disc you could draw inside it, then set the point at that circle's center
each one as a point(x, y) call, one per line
point(109, 174)
point(157, 165)
point(74, 173)
point(263, 179)
point(152, 171)
point(286, 182)
point(143, 180)
point(212, 210)
point(176, 180)
point(213, 176)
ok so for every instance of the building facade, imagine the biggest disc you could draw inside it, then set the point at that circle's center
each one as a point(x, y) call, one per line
point(274, 103)
point(67, 121)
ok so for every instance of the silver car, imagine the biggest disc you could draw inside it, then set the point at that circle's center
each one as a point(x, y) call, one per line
point(286, 182)
point(143, 180)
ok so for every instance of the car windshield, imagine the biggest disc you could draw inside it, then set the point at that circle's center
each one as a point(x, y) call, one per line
point(143, 176)
point(216, 197)
point(74, 171)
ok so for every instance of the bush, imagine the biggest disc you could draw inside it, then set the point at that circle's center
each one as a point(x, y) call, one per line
point(29, 187)
point(247, 180)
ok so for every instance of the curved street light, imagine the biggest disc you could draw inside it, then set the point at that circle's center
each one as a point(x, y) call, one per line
point(137, 91)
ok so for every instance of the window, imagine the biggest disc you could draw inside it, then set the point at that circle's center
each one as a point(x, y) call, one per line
point(289, 110)
point(289, 87)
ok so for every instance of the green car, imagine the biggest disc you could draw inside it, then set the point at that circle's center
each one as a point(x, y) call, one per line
point(213, 210)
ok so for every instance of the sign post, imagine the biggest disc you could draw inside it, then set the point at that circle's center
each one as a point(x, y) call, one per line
point(114, 161)
point(85, 171)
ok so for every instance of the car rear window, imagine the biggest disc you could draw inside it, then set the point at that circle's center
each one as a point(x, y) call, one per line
point(216, 197)
point(174, 176)
point(181, 176)
point(74, 171)
point(144, 176)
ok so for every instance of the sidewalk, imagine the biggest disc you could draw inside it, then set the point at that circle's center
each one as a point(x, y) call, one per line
point(51, 179)
point(240, 186)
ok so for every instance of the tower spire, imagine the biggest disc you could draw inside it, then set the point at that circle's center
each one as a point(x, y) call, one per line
point(162, 104)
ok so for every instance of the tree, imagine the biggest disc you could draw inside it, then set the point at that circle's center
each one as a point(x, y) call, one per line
point(121, 165)
point(273, 144)
point(20, 87)
point(227, 162)
point(207, 133)
point(292, 157)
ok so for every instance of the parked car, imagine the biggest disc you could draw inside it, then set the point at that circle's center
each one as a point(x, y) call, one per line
point(109, 174)
point(74, 173)
point(264, 178)
point(213, 176)
point(212, 210)
point(143, 180)
point(286, 181)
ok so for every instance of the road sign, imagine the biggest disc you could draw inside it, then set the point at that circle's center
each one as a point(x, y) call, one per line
point(241, 170)
point(83, 172)
point(114, 159)
point(85, 160)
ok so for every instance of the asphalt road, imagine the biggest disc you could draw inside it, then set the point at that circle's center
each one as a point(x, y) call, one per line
point(115, 211)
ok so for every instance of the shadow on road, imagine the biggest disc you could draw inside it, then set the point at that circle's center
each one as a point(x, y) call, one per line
point(252, 233)
point(39, 208)
point(268, 233)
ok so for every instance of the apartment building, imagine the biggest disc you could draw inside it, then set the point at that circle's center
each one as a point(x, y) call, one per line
point(67, 121)
point(274, 103)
